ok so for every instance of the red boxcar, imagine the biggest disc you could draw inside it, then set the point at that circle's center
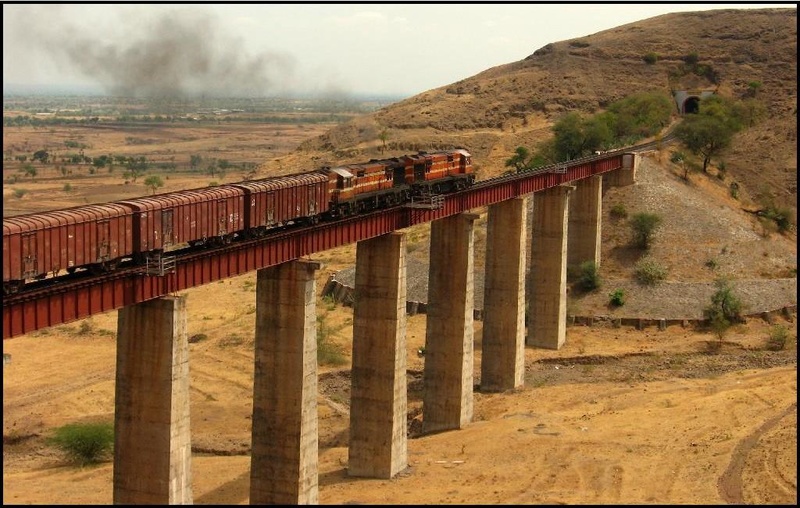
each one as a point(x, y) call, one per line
point(166, 221)
point(47, 242)
point(274, 202)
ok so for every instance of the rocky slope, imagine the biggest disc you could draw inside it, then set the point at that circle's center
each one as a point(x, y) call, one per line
point(515, 104)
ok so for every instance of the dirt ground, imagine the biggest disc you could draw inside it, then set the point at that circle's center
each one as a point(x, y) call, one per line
point(618, 415)
point(238, 143)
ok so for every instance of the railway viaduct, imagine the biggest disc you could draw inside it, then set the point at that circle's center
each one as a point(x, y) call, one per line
point(152, 461)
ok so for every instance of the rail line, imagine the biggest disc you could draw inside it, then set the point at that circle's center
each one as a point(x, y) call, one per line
point(79, 296)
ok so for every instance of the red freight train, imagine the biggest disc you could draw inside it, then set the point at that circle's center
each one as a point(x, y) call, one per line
point(97, 237)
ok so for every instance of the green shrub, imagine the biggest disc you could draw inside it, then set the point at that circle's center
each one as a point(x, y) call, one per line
point(649, 271)
point(617, 298)
point(780, 216)
point(778, 336)
point(85, 328)
point(725, 308)
point(644, 227)
point(650, 58)
point(18, 193)
point(734, 187)
point(85, 443)
point(618, 211)
point(712, 264)
point(768, 226)
point(589, 276)
point(328, 353)
point(67, 187)
point(198, 337)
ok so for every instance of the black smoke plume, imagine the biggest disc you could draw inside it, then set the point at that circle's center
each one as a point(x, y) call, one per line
point(183, 53)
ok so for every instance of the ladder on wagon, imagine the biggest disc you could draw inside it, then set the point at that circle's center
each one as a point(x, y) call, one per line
point(159, 265)
point(427, 200)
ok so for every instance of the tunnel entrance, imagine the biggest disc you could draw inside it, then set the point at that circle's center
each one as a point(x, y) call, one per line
point(691, 105)
point(688, 101)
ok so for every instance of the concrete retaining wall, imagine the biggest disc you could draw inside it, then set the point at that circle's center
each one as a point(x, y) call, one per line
point(345, 295)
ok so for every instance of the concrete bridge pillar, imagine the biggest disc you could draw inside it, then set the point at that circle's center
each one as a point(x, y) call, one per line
point(152, 438)
point(503, 344)
point(284, 461)
point(447, 401)
point(626, 175)
point(585, 219)
point(547, 315)
point(378, 400)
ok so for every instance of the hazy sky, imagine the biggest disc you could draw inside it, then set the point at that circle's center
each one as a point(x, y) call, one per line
point(269, 49)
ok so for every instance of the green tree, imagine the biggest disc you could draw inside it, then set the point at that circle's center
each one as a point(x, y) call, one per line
point(570, 140)
point(597, 132)
point(195, 161)
point(520, 159)
point(153, 182)
point(212, 168)
point(101, 161)
point(545, 154)
point(711, 130)
point(753, 87)
point(29, 170)
point(641, 115)
point(41, 156)
point(725, 308)
point(383, 136)
point(136, 167)
point(680, 158)
point(750, 111)
point(644, 226)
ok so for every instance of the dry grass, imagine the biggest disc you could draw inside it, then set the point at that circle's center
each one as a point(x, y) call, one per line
point(618, 416)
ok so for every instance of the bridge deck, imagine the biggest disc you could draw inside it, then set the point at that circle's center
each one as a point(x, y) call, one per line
point(66, 301)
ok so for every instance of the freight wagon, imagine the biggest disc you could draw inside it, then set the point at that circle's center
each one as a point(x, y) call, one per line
point(91, 236)
point(98, 237)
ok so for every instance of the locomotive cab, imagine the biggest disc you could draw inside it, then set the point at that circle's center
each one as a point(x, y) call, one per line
point(344, 179)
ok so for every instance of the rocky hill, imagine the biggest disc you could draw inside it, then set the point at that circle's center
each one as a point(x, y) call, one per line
point(515, 104)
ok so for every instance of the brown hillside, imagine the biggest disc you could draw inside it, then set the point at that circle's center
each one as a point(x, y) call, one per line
point(618, 415)
point(513, 105)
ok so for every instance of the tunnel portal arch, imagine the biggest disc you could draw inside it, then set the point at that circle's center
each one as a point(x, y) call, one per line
point(691, 105)
point(688, 101)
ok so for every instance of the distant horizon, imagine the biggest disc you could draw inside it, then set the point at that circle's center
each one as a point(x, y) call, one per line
point(21, 90)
